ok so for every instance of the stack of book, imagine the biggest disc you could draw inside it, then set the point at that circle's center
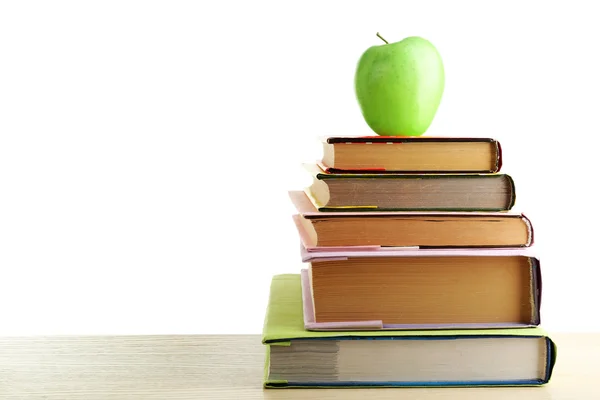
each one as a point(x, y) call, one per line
point(417, 272)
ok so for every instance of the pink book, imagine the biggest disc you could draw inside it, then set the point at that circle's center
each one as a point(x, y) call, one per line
point(389, 229)
point(319, 259)
point(340, 253)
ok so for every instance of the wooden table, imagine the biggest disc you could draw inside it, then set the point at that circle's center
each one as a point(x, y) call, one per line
point(228, 367)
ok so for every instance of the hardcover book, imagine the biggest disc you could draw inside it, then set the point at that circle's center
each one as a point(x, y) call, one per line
point(297, 358)
point(424, 229)
point(410, 154)
point(421, 289)
point(410, 192)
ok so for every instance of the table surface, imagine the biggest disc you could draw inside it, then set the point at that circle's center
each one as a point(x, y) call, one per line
point(228, 367)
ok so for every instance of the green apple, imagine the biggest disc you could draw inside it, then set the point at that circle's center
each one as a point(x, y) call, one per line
point(399, 86)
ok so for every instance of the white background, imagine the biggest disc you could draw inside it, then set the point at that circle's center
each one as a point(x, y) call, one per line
point(146, 148)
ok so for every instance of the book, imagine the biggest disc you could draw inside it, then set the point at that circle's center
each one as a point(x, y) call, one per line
point(410, 192)
point(322, 229)
point(410, 154)
point(298, 358)
point(422, 289)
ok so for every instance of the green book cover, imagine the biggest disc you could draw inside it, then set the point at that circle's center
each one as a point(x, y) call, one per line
point(284, 323)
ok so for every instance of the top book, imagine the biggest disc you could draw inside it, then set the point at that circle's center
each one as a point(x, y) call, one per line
point(410, 154)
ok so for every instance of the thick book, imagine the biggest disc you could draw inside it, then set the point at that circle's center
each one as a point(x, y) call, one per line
point(422, 289)
point(297, 358)
point(424, 229)
point(410, 192)
point(410, 154)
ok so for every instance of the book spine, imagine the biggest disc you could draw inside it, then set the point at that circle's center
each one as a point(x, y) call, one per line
point(537, 277)
point(531, 237)
point(498, 157)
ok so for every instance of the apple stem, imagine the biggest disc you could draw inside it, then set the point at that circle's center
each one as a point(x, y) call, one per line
point(379, 36)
